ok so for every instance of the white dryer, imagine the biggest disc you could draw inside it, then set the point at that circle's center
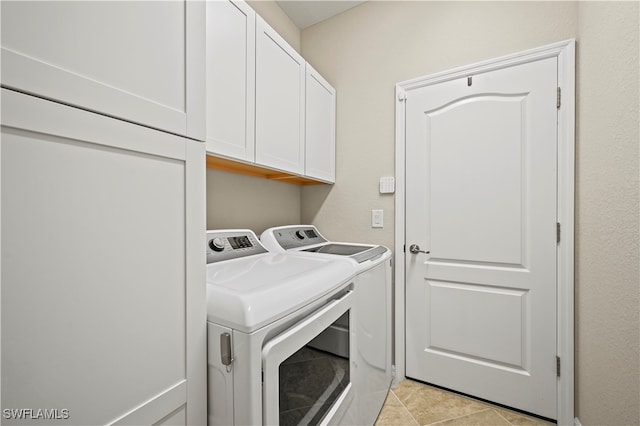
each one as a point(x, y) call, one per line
point(373, 307)
point(265, 310)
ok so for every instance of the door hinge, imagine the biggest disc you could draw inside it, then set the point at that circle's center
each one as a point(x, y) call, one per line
point(402, 96)
point(404, 248)
point(558, 232)
point(557, 366)
point(558, 99)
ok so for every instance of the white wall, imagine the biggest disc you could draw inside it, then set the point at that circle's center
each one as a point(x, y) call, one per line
point(238, 201)
point(366, 50)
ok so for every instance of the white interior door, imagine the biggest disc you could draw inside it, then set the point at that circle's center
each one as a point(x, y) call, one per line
point(481, 184)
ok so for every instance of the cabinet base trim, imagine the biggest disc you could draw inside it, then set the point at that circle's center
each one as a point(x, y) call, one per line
point(232, 166)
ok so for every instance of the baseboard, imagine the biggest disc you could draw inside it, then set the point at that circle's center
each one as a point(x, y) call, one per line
point(576, 422)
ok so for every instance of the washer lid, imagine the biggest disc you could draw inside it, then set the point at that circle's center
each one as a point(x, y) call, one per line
point(307, 238)
point(250, 292)
point(360, 253)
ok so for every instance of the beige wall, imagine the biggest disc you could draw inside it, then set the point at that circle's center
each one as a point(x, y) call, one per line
point(237, 201)
point(607, 274)
point(366, 50)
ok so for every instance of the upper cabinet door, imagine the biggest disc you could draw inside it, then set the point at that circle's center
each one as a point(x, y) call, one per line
point(139, 61)
point(280, 75)
point(230, 79)
point(320, 135)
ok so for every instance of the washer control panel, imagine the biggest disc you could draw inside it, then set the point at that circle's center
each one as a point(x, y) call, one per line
point(231, 244)
point(297, 236)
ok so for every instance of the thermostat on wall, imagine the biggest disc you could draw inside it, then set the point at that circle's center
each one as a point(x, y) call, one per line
point(387, 185)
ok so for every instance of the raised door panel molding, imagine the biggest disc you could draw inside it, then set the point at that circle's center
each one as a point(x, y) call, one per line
point(320, 129)
point(280, 102)
point(230, 79)
point(111, 58)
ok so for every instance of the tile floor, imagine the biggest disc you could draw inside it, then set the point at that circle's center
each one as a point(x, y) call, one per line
point(412, 403)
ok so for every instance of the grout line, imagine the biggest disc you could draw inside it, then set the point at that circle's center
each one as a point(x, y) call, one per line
point(460, 417)
point(500, 414)
point(405, 407)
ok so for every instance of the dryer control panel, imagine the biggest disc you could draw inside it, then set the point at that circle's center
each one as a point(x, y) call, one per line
point(229, 244)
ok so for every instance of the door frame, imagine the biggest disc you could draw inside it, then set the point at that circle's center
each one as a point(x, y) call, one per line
point(564, 51)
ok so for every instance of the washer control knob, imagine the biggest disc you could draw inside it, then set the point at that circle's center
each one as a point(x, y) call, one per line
point(300, 235)
point(216, 244)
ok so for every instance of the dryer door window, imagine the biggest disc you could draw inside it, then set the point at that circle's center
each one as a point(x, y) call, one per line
point(307, 374)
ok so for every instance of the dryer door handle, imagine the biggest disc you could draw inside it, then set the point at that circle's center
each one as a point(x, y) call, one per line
point(226, 355)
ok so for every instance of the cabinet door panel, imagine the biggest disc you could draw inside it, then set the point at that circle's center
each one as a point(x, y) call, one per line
point(279, 102)
point(140, 61)
point(320, 129)
point(230, 79)
point(97, 290)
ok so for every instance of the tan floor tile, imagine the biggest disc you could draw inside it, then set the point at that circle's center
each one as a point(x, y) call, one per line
point(429, 405)
point(412, 401)
point(517, 419)
point(394, 414)
point(406, 388)
point(488, 417)
point(391, 399)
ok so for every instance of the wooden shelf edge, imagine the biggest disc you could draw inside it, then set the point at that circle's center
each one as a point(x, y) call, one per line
point(232, 166)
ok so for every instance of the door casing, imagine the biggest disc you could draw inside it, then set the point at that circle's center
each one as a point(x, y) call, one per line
point(565, 53)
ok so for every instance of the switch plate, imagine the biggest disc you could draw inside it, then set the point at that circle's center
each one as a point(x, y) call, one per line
point(377, 218)
point(387, 185)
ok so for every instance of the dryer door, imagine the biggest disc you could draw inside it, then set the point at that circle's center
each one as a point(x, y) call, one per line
point(303, 385)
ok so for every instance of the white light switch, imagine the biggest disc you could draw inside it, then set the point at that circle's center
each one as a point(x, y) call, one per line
point(377, 218)
point(387, 185)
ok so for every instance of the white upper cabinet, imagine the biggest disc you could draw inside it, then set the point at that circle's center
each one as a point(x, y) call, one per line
point(280, 94)
point(139, 61)
point(230, 79)
point(264, 105)
point(320, 133)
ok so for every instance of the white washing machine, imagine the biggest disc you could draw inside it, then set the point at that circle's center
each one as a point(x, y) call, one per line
point(265, 310)
point(373, 307)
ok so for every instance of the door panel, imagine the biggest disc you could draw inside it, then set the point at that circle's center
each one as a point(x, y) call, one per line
point(481, 198)
point(280, 101)
point(495, 337)
point(459, 182)
point(230, 79)
point(320, 127)
point(141, 61)
point(101, 285)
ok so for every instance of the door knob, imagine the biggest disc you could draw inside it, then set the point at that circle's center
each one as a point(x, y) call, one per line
point(415, 249)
